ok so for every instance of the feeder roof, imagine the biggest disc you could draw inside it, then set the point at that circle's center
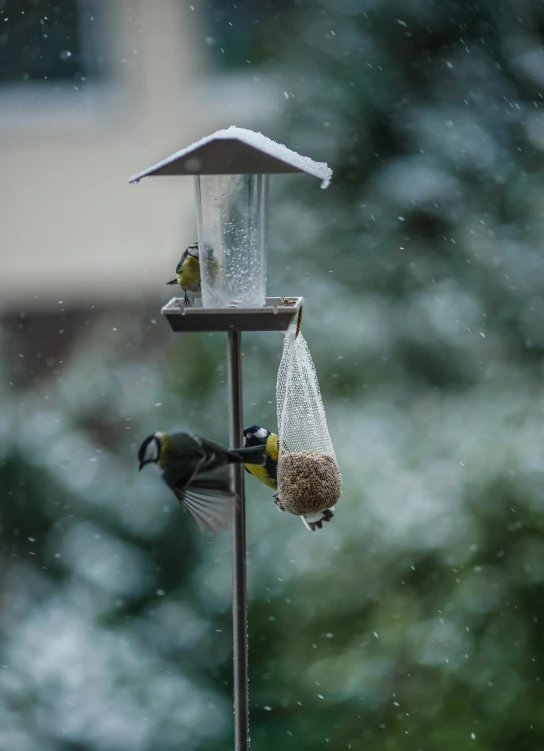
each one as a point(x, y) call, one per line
point(237, 151)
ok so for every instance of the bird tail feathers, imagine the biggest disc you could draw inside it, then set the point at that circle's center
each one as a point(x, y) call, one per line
point(313, 521)
point(251, 455)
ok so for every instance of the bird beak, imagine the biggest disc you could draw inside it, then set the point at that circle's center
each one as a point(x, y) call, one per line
point(140, 467)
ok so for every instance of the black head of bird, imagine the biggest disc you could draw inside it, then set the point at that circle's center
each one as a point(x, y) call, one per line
point(254, 435)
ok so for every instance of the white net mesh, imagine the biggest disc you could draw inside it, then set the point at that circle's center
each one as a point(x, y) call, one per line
point(309, 478)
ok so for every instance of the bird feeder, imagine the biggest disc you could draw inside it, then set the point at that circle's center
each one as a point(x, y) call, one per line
point(231, 171)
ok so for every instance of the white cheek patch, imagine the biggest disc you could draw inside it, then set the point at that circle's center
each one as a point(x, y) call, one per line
point(152, 451)
point(261, 433)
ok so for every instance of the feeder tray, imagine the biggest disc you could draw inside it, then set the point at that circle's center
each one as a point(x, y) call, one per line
point(276, 315)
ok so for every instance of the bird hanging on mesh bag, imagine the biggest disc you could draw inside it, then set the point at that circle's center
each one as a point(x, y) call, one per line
point(198, 473)
point(267, 473)
point(188, 272)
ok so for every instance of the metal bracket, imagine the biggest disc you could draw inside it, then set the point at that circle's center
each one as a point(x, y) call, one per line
point(276, 315)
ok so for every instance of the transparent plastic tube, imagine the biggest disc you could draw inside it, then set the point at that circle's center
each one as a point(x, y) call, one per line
point(232, 227)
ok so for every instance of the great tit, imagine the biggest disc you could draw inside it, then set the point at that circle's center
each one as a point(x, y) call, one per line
point(188, 272)
point(198, 473)
point(267, 473)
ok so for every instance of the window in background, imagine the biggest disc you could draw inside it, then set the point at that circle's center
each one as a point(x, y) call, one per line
point(49, 41)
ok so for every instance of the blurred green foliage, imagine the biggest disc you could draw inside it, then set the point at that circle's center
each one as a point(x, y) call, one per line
point(413, 622)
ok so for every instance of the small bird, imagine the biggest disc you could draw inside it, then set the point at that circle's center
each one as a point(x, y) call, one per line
point(267, 473)
point(188, 272)
point(198, 473)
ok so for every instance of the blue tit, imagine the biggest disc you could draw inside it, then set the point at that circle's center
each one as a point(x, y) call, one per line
point(198, 473)
point(267, 473)
point(188, 272)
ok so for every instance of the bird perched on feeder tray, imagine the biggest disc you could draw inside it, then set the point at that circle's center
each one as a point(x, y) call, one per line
point(267, 473)
point(188, 272)
point(198, 473)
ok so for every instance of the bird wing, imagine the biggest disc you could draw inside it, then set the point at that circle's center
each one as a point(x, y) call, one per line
point(209, 499)
point(209, 511)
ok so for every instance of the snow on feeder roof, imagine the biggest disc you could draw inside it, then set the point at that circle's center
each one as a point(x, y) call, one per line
point(237, 151)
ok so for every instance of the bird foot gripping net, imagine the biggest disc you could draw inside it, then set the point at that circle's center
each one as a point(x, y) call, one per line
point(309, 478)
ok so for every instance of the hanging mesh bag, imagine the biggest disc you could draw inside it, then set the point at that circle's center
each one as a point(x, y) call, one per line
point(309, 479)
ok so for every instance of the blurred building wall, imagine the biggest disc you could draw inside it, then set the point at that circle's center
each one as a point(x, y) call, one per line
point(72, 229)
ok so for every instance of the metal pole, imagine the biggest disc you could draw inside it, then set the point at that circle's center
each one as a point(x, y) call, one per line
point(239, 580)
